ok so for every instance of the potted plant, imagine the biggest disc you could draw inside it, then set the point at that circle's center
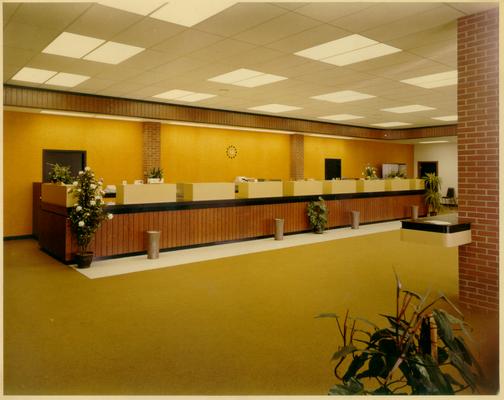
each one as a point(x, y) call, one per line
point(432, 196)
point(87, 213)
point(369, 172)
point(60, 174)
point(416, 352)
point(155, 175)
point(317, 215)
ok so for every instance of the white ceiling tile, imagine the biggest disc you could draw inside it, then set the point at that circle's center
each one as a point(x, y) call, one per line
point(147, 60)
point(28, 37)
point(473, 7)
point(49, 15)
point(440, 33)
point(277, 28)
point(240, 17)
point(179, 65)
point(311, 37)
point(17, 56)
point(294, 5)
point(259, 55)
point(224, 49)
point(120, 89)
point(8, 10)
point(380, 14)
point(186, 42)
point(117, 73)
point(50, 61)
point(330, 11)
point(95, 85)
point(413, 24)
point(148, 32)
point(103, 22)
point(9, 70)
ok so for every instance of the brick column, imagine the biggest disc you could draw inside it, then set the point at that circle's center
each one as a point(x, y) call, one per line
point(297, 157)
point(478, 158)
point(151, 146)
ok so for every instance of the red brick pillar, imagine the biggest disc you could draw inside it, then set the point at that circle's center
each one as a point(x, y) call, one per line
point(297, 157)
point(478, 158)
point(151, 146)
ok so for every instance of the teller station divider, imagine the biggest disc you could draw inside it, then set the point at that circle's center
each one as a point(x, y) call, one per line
point(185, 224)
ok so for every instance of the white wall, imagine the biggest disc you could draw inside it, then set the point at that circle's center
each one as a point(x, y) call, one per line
point(446, 156)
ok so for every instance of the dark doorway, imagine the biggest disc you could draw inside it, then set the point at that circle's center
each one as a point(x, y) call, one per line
point(427, 167)
point(75, 159)
point(332, 168)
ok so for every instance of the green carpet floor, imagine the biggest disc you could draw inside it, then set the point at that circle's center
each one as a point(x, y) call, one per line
point(235, 326)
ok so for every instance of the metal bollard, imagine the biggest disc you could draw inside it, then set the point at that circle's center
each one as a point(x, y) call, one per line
point(153, 244)
point(355, 219)
point(279, 228)
point(414, 212)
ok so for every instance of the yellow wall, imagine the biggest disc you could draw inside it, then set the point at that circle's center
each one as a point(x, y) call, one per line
point(354, 155)
point(196, 154)
point(114, 152)
point(188, 154)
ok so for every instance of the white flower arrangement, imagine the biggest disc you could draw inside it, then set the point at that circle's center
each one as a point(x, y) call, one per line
point(369, 172)
point(89, 210)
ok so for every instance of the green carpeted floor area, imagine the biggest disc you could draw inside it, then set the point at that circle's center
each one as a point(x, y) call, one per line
point(235, 326)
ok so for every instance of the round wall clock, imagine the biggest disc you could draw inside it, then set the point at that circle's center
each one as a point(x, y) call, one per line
point(231, 151)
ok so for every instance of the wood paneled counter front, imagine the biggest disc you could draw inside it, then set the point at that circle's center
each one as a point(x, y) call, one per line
point(197, 223)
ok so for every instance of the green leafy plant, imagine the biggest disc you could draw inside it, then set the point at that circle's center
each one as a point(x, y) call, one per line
point(397, 174)
point(317, 215)
point(89, 211)
point(60, 174)
point(418, 352)
point(369, 172)
point(432, 195)
point(155, 173)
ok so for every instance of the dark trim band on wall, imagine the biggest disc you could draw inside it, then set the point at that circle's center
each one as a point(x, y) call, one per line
point(17, 96)
point(19, 237)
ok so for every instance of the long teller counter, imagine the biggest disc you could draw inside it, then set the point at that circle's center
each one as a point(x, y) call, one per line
point(191, 219)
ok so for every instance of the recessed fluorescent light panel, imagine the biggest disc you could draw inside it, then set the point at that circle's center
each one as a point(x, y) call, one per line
point(390, 124)
point(274, 108)
point(343, 96)
point(434, 141)
point(72, 45)
point(67, 113)
point(190, 13)
point(67, 80)
point(134, 6)
point(247, 78)
point(408, 109)
point(113, 53)
point(183, 95)
point(33, 75)
point(348, 50)
point(434, 80)
point(341, 117)
point(447, 118)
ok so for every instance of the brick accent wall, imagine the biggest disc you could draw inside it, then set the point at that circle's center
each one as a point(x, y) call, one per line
point(151, 145)
point(297, 157)
point(478, 158)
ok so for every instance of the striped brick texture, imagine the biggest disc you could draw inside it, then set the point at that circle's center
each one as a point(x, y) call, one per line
point(478, 158)
point(297, 157)
point(151, 146)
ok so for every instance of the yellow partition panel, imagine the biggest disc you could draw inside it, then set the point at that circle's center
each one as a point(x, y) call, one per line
point(302, 188)
point(340, 186)
point(397, 184)
point(143, 194)
point(371, 185)
point(248, 190)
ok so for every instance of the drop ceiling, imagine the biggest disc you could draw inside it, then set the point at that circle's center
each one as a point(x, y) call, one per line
point(259, 40)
